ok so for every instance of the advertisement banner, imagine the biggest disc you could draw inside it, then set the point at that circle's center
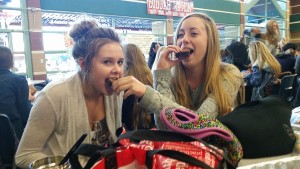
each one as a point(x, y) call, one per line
point(170, 7)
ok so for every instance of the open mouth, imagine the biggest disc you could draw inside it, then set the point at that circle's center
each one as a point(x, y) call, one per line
point(185, 53)
point(110, 81)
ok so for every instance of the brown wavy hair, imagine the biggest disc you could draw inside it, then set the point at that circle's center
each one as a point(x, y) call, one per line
point(135, 65)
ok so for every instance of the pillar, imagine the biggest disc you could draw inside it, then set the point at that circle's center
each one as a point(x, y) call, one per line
point(170, 31)
point(36, 40)
point(294, 18)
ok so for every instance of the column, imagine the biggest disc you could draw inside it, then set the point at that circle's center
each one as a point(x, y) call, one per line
point(170, 31)
point(294, 18)
point(242, 19)
point(36, 40)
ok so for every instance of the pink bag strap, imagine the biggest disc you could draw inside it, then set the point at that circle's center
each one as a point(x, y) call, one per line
point(182, 116)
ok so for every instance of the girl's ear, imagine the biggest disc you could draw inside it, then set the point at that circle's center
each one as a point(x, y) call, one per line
point(81, 62)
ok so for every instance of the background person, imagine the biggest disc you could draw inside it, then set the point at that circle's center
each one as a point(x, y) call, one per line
point(200, 82)
point(264, 69)
point(239, 54)
point(133, 116)
point(270, 37)
point(152, 53)
point(297, 64)
point(81, 103)
point(14, 93)
point(287, 58)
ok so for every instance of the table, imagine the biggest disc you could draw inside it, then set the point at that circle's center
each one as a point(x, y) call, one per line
point(289, 161)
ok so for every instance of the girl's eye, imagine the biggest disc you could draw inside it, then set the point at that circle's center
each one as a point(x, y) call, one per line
point(194, 34)
point(107, 62)
point(180, 35)
point(120, 62)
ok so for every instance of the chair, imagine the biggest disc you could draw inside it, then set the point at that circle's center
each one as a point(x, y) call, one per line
point(8, 143)
point(297, 94)
point(286, 86)
point(282, 74)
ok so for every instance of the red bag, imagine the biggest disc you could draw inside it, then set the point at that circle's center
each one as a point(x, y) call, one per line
point(203, 127)
point(157, 149)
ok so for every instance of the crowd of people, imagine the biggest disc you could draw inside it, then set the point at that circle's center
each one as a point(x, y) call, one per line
point(116, 87)
point(264, 60)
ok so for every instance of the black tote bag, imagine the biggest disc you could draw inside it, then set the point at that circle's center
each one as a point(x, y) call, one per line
point(263, 127)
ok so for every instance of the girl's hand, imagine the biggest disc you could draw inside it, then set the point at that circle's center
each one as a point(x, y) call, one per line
point(165, 61)
point(130, 85)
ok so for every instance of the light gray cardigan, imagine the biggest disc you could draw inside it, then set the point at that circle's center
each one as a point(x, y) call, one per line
point(58, 118)
point(154, 100)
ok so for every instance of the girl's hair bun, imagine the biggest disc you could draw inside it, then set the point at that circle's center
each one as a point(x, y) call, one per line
point(81, 28)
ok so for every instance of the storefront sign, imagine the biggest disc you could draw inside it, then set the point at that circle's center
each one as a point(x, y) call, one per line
point(170, 7)
point(133, 24)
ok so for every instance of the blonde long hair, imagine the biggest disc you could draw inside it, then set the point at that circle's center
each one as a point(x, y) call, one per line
point(135, 65)
point(260, 54)
point(270, 35)
point(213, 70)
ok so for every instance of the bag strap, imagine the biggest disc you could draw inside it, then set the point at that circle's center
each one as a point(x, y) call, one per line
point(166, 135)
point(110, 159)
point(95, 153)
point(177, 155)
point(156, 135)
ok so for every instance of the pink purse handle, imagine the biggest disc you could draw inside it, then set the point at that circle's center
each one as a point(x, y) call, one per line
point(190, 117)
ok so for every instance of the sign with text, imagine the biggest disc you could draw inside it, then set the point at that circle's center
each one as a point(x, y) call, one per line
point(170, 7)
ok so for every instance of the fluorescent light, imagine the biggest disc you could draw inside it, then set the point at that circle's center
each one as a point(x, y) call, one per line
point(138, 1)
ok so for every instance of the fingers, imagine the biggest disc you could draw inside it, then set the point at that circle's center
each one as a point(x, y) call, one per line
point(169, 49)
point(130, 86)
point(165, 61)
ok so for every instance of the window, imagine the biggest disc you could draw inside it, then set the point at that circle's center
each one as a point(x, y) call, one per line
point(10, 19)
point(60, 62)
point(19, 64)
point(131, 30)
point(10, 3)
point(257, 13)
point(227, 33)
point(54, 41)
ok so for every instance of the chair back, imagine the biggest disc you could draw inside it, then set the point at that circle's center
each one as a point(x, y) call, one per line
point(286, 86)
point(8, 143)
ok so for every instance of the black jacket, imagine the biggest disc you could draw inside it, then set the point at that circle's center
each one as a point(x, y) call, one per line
point(14, 101)
point(128, 115)
point(287, 62)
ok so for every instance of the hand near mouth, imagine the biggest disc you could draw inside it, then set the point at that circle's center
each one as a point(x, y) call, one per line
point(185, 53)
point(131, 86)
point(110, 81)
point(165, 61)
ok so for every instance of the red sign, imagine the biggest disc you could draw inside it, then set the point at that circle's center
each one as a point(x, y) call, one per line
point(170, 7)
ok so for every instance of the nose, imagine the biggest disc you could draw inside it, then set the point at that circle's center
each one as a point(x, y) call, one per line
point(185, 39)
point(117, 69)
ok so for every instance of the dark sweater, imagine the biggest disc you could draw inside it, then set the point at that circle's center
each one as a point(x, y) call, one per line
point(287, 62)
point(14, 99)
point(128, 116)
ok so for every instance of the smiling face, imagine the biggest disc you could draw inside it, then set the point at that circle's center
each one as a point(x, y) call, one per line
point(107, 64)
point(192, 35)
point(272, 27)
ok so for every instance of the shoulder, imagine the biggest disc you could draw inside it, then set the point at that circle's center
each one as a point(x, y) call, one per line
point(230, 76)
point(229, 69)
point(63, 86)
point(17, 80)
